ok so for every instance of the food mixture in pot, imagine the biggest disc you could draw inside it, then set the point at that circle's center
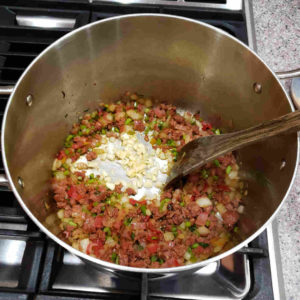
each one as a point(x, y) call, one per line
point(130, 220)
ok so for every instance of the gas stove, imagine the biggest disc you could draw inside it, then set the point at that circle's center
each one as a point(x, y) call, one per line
point(33, 266)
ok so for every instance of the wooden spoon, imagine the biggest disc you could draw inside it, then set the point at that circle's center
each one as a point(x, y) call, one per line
point(202, 150)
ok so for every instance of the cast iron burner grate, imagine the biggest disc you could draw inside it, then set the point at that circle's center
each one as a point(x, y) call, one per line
point(31, 265)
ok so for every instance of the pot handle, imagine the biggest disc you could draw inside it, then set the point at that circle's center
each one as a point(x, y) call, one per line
point(288, 74)
point(6, 90)
point(4, 182)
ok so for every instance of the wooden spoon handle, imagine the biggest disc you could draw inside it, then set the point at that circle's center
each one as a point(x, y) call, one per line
point(284, 124)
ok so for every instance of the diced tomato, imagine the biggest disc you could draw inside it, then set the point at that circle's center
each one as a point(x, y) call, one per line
point(94, 247)
point(172, 262)
point(117, 224)
point(67, 234)
point(72, 193)
point(205, 187)
point(224, 188)
point(132, 201)
point(77, 145)
point(201, 219)
point(98, 222)
point(152, 238)
point(206, 126)
point(152, 248)
point(61, 154)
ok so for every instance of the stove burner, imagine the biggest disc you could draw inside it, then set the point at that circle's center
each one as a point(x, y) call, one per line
point(31, 265)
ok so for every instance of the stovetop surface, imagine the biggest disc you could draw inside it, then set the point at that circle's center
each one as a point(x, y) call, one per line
point(33, 266)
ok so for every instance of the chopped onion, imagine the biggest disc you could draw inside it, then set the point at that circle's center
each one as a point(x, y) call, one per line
point(60, 213)
point(203, 230)
point(182, 225)
point(233, 175)
point(110, 242)
point(75, 245)
point(187, 256)
point(168, 236)
point(56, 164)
point(203, 202)
point(221, 208)
point(241, 209)
point(84, 244)
point(134, 115)
point(219, 217)
point(60, 176)
point(217, 249)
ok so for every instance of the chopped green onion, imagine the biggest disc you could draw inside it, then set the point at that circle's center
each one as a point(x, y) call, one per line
point(103, 131)
point(72, 223)
point(147, 130)
point(94, 214)
point(128, 121)
point(193, 228)
point(207, 223)
point(187, 224)
point(135, 104)
point(115, 257)
point(68, 144)
point(161, 125)
point(107, 231)
point(217, 163)
point(115, 129)
point(143, 209)
point(161, 261)
point(182, 204)
point(217, 131)
point(194, 246)
point(69, 137)
point(140, 247)
point(174, 228)
point(96, 203)
point(215, 177)
point(235, 229)
point(171, 143)
point(147, 110)
point(127, 221)
point(154, 238)
point(163, 203)
point(132, 235)
point(210, 195)
point(158, 142)
point(228, 169)
point(67, 152)
point(204, 174)
point(154, 258)
point(79, 178)
point(85, 210)
point(82, 127)
point(67, 173)
point(92, 176)
point(175, 153)
point(204, 245)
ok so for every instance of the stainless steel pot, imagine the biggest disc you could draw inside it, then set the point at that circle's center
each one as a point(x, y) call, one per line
point(190, 64)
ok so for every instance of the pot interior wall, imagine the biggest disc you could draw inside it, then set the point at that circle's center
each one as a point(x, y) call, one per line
point(171, 59)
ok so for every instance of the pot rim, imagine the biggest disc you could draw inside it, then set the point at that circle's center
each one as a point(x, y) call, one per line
point(105, 264)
